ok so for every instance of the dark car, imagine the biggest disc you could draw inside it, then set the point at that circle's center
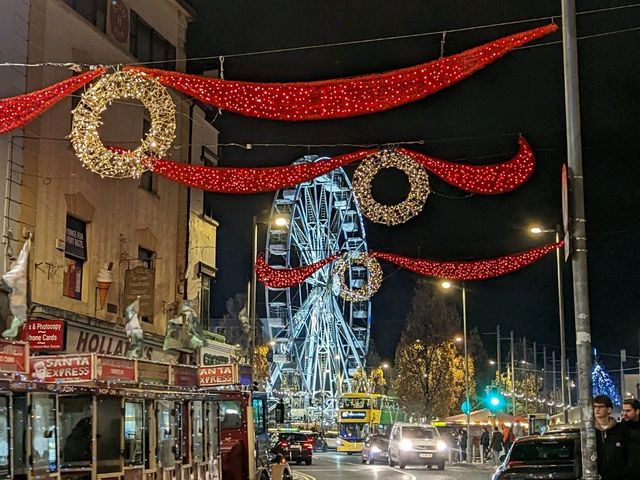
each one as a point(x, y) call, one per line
point(319, 444)
point(294, 446)
point(552, 457)
point(375, 449)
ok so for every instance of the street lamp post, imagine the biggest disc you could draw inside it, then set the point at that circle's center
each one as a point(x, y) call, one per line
point(280, 221)
point(448, 285)
point(563, 352)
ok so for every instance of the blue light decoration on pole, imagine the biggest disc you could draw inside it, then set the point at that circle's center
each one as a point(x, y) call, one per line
point(602, 383)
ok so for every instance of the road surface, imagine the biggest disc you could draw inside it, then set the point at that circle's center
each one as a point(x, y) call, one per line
point(339, 466)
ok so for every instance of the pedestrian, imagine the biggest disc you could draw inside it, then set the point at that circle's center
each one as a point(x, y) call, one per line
point(631, 420)
point(496, 445)
point(518, 430)
point(484, 442)
point(507, 437)
point(611, 441)
point(464, 438)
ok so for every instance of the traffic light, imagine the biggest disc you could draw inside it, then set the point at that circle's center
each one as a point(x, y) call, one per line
point(494, 400)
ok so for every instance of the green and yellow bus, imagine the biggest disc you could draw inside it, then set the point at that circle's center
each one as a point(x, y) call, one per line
point(362, 414)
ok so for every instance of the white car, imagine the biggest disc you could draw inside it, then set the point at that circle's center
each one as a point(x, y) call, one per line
point(416, 444)
point(331, 439)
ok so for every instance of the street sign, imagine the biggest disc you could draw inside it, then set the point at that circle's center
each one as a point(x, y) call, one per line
point(466, 407)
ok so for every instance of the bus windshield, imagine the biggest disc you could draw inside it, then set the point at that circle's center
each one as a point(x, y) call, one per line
point(363, 403)
point(354, 431)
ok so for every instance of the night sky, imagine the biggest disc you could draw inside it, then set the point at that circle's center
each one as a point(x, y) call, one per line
point(476, 121)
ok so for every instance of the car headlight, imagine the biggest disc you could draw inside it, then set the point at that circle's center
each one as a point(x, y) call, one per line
point(375, 449)
point(406, 444)
point(441, 445)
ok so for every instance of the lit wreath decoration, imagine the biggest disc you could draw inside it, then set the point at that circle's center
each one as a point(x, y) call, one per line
point(374, 277)
point(400, 212)
point(86, 119)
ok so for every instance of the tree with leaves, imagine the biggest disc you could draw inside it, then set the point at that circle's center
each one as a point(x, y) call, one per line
point(430, 379)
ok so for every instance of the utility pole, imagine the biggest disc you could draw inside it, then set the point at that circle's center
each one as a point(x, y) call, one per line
point(499, 350)
point(252, 311)
point(545, 386)
point(623, 358)
point(513, 376)
point(553, 374)
point(578, 234)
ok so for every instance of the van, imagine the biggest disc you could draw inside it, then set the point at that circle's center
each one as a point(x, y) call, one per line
point(416, 444)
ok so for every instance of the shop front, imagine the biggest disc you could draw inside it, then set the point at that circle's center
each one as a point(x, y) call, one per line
point(89, 416)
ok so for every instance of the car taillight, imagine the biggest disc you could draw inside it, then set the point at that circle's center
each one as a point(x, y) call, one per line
point(515, 463)
point(284, 444)
point(308, 445)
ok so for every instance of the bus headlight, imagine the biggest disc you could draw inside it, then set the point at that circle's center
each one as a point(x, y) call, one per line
point(406, 444)
point(441, 446)
point(338, 442)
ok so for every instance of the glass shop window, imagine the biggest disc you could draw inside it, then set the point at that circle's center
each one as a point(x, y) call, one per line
point(213, 429)
point(166, 433)
point(5, 467)
point(133, 433)
point(259, 416)
point(109, 434)
point(75, 253)
point(149, 424)
point(19, 431)
point(75, 431)
point(197, 427)
point(230, 414)
point(43, 434)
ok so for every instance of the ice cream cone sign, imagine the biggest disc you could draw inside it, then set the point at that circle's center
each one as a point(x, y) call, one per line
point(104, 281)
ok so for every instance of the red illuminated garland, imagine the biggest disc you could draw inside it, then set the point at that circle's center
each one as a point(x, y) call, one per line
point(471, 270)
point(250, 180)
point(456, 270)
point(287, 277)
point(340, 98)
point(18, 111)
point(486, 179)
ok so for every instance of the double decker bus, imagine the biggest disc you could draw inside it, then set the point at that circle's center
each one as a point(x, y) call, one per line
point(362, 414)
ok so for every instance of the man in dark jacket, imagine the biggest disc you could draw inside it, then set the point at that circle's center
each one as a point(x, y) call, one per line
point(484, 441)
point(631, 419)
point(496, 445)
point(611, 441)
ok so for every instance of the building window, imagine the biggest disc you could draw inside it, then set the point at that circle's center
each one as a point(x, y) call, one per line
point(205, 299)
point(146, 257)
point(94, 11)
point(75, 253)
point(148, 45)
point(208, 157)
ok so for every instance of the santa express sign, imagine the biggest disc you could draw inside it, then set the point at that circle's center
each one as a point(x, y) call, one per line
point(63, 369)
point(218, 375)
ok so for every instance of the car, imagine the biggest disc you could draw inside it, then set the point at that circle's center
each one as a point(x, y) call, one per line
point(416, 444)
point(294, 446)
point(330, 439)
point(319, 444)
point(549, 456)
point(375, 449)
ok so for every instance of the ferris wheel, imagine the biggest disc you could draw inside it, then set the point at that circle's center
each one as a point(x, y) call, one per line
point(318, 338)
